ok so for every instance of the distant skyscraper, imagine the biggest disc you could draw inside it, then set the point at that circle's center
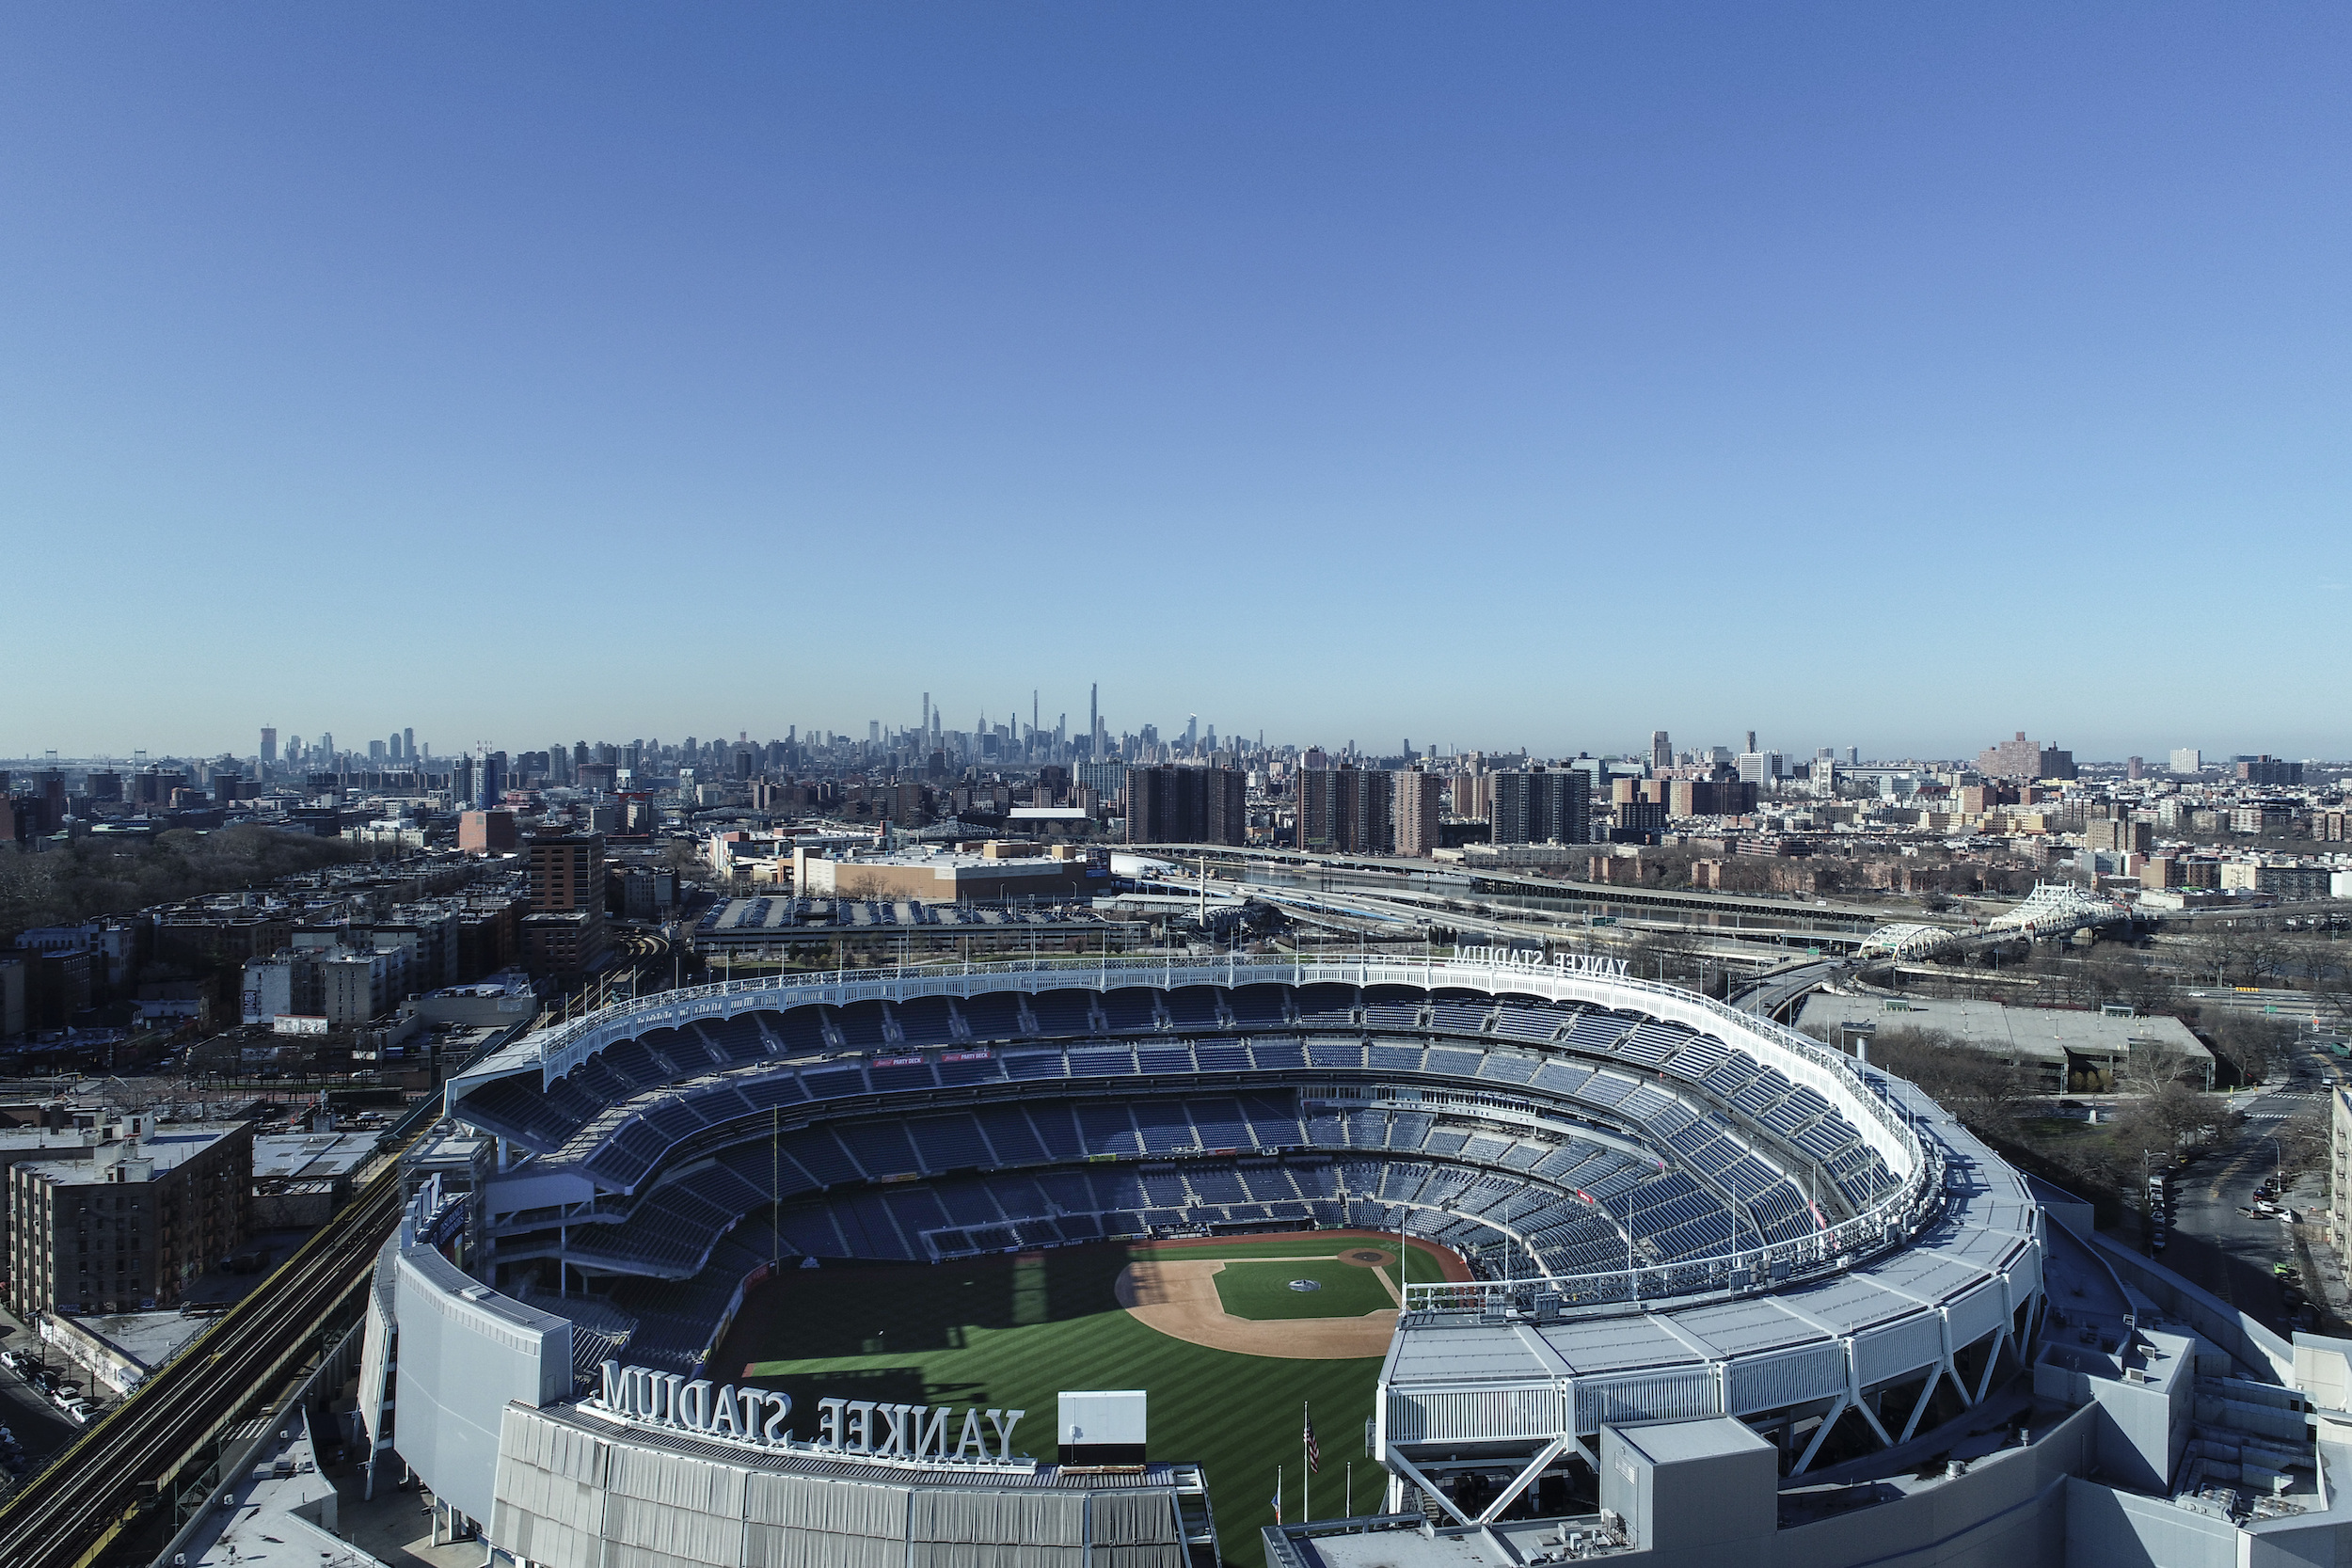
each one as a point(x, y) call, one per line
point(408, 744)
point(2187, 759)
point(269, 744)
point(1662, 752)
point(1751, 745)
point(493, 791)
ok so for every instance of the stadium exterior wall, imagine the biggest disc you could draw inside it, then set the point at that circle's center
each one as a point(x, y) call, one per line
point(465, 1353)
point(574, 1492)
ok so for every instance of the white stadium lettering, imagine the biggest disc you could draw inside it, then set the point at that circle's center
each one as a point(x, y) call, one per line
point(642, 1397)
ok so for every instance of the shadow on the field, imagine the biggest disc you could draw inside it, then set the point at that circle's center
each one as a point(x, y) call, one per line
point(883, 1384)
point(904, 1309)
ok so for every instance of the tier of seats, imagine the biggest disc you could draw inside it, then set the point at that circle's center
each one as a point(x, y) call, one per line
point(885, 1179)
point(897, 1180)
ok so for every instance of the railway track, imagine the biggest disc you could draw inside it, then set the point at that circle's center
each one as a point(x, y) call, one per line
point(69, 1513)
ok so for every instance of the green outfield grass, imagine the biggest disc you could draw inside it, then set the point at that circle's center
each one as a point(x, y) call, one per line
point(1013, 1332)
point(1257, 1289)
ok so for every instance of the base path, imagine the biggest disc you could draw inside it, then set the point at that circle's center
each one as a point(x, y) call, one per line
point(1178, 1296)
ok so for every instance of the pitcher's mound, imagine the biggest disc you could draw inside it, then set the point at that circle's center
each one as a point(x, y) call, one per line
point(1179, 1298)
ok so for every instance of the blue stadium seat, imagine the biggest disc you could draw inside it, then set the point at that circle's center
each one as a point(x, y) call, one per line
point(1193, 1007)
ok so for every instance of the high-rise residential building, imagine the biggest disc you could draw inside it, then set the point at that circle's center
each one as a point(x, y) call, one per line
point(1106, 779)
point(2189, 760)
point(1347, 811)
point(1751, 745)
point(1541, 806)
point(2117, 836)
point(1662, 752)
point(1703, 798)
point(566, 872)
point(1474, 795)
point(269, 744)
point(2267, 772)
point(1186, 805)
point(2020, 758)
point(564, 934)
point(1417, 813)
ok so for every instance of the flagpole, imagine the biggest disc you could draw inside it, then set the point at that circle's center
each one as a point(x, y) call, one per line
point(1305, 1469)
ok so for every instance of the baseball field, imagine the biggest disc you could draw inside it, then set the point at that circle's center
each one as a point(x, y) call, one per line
point(1230, 1338)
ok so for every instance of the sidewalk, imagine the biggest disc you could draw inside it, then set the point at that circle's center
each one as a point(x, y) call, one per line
point(2324, 1279)
point(395, 1527)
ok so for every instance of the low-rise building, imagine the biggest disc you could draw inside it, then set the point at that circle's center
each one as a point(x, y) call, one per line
point(983, 873)
point(2058, 1049)
point(2280, 882)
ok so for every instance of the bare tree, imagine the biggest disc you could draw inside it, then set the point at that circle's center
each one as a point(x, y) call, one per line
point(2153, 1067)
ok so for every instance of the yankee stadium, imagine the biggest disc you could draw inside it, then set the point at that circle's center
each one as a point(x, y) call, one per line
point(1481, 1259)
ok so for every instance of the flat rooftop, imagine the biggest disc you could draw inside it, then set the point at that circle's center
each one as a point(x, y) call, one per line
point(2042, 1032)
point(169, 1145)
point(311, 1156)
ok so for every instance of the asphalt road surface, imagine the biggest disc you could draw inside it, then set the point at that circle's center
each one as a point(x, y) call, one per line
point(2218, 1242)
point(42, 1429)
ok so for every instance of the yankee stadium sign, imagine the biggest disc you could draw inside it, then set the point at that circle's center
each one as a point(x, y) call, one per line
point(1558, 963)
point(866, 1428)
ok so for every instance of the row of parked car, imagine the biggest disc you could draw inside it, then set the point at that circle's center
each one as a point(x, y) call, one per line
point(62, 1391)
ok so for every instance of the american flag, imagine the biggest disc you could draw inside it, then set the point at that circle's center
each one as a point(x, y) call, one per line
point(1314, 1455)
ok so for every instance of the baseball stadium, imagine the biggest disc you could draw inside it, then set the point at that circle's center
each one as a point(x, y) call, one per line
point(1491, 1259)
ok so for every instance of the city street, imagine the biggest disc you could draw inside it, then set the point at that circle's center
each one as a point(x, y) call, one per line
point(2218, 1242)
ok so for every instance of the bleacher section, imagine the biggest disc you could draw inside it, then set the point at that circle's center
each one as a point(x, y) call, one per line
point(936, 1127)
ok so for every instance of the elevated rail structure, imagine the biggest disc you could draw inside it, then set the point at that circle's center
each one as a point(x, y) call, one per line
point(155, 1447)
point(2053, 909)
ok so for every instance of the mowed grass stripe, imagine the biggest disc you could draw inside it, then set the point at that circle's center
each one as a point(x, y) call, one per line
point(1013, 1332)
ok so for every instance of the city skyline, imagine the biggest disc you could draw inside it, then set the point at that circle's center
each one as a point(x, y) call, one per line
point(1911, 377)
point(889, 734)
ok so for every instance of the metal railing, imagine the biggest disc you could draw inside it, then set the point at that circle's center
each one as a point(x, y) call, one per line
point(1896, 1216)
point(1886, 1224)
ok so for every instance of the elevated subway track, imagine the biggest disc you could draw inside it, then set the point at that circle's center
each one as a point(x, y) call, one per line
point(156, 1442)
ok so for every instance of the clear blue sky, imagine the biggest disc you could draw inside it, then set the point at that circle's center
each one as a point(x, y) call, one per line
point(1888, 374)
